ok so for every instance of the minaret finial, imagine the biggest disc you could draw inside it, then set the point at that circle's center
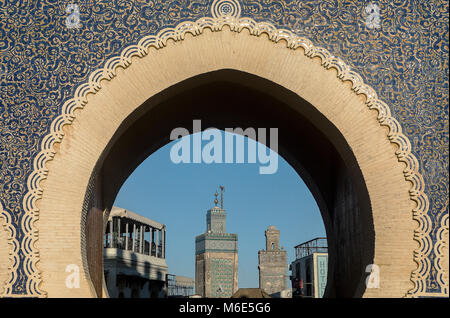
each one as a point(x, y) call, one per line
point(215, 200)
point(222, 188)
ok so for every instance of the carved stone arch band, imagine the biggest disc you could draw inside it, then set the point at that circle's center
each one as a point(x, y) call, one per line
point(246, 37)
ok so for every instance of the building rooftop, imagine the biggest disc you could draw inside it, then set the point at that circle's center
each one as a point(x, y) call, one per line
point(124, 213)
point(317, 245)
point(185, 281)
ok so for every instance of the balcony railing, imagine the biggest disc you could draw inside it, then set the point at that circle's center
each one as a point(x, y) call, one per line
point(317, 245)
point(120, 243)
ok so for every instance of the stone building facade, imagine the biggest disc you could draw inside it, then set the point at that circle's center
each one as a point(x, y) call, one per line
point(310, 268)
point(216, 258)
point(134, 256)
point(180, 286)
point(272, 263)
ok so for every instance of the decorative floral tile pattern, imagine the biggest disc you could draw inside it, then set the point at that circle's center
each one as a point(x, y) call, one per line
point(400, 48)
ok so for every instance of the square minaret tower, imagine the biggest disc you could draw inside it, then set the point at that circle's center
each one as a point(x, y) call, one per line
point(272, 263)
point(216, 257)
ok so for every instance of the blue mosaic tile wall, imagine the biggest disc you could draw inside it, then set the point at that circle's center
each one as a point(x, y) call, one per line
point(42, 61)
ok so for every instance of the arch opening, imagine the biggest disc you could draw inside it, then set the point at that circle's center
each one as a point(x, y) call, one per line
point(73, 185)
point(308, 141)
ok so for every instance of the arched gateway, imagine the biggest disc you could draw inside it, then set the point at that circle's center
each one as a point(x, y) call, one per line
point(228, 71)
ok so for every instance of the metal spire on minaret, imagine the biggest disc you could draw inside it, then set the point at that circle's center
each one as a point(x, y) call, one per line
point(222, 188)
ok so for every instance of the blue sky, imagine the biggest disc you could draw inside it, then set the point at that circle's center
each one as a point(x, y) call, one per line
point(179, 195)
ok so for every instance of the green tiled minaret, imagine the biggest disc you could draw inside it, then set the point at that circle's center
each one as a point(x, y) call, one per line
point(216, 256)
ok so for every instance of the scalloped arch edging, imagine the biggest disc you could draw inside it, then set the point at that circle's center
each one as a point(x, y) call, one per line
point(236, 24)
point(6, 224)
